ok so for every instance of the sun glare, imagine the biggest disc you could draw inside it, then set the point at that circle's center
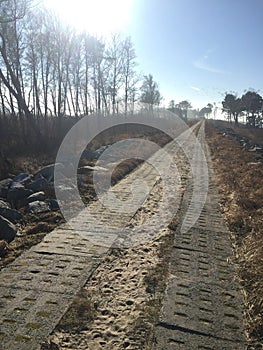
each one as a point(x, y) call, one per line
point(96, 16)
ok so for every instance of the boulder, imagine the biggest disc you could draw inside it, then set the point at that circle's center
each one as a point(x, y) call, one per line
point(3, 204)
point(11, 214)
point(48, 171)
point(38, 196)
point(38, 184)
point(22, 178)
point(54, 204)
point(38, 207)
point(7, 230)
point(4, 186)
point(17, 192)
point(88, 168)
point(88, 154)
point(100, 150)
point(4, 249)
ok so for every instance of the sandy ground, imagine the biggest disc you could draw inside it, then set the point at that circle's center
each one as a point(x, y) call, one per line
point(125, 292)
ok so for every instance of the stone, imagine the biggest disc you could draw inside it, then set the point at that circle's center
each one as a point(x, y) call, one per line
point(54, 205)
point(4, 249)
point(38, 196)
point(87, 168)
point(48, 171)
point(4, 204)
point(100, 150)
point(7, 230)
point(4, 186)
point(22, 178)
point(38, 184)
point(17, 192)
point(88, 154)
point(38, 207)
point(11, 214)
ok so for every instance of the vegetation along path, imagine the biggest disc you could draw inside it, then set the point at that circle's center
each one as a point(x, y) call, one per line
point(202, 307)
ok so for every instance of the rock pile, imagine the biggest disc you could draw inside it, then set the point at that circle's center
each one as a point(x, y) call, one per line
point(35, 193)
point(25, 193)
point(246, 143)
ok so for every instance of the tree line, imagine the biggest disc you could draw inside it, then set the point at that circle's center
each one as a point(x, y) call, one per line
point(49, 69)
point(249, 104)
point(184, 108)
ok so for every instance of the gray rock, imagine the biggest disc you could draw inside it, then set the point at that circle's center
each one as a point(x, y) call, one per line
point(7, 230)
point(4, 186)
point(38, 196)
point(48, 171)
point(4, 204)
point(38, 184)
point(17, 192)
point(89, 154)
point(88, 168)
point(54, 204)
point(38, 207)
point(11, 214)
point(22, 178)
point(99, 151)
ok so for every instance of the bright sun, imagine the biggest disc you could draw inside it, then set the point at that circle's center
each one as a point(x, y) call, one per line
point(96, 16)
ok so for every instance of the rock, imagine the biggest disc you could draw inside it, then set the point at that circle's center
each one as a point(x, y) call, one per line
point(11, 214)
point(88, 154)
point(7, 230)
point(4, 249)
point(17, 192)
point(48, 171)
point(22, 178)
point(98, 152)
point(38, 184)
point(4, 187)
point(38, 196)
point(54, 205)
point(4, 204)
point(87, 168)
point(38, 207)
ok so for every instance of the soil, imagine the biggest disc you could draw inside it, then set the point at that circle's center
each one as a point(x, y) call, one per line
point(239, 175)
point(123, 298)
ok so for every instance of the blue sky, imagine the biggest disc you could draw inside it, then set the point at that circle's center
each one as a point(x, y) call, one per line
point(195, 49)
point(198, 49)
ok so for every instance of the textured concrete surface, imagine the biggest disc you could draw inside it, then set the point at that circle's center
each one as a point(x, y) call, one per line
point(38, 287)
point(202, 307)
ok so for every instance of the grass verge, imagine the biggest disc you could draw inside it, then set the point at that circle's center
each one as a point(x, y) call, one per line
point(240, 179)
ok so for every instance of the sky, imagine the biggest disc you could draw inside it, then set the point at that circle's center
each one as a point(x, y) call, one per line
point(195, 49)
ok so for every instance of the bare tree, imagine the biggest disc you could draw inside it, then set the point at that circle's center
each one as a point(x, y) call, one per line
point(129, 74)
point(150, 93)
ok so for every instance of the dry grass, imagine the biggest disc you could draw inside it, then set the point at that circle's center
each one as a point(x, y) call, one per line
point(240, 179)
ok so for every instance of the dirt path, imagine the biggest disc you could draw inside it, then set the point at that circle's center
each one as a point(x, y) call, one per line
point(123, 287)
point(38, 287)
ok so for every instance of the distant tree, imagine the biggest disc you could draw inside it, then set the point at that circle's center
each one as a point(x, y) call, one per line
point(206, 111)
point(183, 107)
point(150, 93)
point(252, 104)
point(130, 76)
point(171, 105)
point(233, 106)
